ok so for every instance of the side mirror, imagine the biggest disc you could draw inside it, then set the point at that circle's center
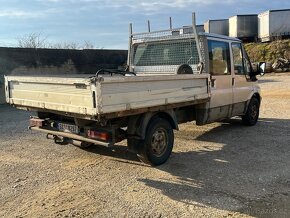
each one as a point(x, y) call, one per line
point(262, 68)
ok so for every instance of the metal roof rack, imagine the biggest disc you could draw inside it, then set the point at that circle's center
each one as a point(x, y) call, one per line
point(163, 35)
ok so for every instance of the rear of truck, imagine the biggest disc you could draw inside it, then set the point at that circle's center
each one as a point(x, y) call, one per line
point(163, 83)
point(96, 108)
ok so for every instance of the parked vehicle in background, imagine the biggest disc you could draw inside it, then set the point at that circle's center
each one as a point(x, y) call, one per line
point(172, 78)
point(274, 24)
point(220, 26)
point(244, 27)
point(188, 29)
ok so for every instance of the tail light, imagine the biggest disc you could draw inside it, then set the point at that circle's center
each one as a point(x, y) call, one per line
point(36, 122)
point(101, 135)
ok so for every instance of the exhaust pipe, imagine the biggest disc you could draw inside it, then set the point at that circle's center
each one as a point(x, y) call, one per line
point(50, 136)
point(57, 139)
point(80, 144)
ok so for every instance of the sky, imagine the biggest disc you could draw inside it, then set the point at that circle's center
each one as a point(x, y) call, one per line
point(104, 23)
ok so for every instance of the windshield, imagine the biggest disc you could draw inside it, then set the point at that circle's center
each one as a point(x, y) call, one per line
point(166, 53)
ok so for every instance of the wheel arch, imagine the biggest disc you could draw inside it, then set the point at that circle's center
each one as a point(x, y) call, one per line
point(258, 96)
point(137, 125)
point(251, 115)
point(254, 95)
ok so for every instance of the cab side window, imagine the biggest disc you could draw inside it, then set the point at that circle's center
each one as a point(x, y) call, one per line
point(219, 57)
point(238, 59)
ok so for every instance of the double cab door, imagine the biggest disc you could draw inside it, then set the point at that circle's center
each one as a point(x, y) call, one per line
point(230, 88)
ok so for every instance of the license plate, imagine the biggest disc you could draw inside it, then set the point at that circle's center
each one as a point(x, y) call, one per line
point(68, 128)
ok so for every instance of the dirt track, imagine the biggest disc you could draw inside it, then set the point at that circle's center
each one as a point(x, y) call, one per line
point(218, 170)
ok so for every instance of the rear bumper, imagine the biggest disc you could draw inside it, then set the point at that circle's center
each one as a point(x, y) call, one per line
point(70, 136)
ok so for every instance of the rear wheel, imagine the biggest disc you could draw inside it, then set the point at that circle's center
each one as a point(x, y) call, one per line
point(252, 115)
point(157, 146)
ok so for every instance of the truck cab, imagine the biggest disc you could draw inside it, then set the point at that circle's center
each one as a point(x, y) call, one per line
point(233, 80)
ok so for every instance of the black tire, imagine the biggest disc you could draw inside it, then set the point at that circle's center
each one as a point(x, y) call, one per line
point(252, 115)
point(157, 146)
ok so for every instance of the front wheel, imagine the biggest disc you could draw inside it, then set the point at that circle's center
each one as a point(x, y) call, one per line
point(252, 115)
point(157, 146)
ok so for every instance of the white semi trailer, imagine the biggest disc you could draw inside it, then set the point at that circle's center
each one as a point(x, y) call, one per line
point(274, 24)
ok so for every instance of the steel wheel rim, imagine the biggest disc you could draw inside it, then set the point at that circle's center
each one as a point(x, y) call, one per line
point(159, 142)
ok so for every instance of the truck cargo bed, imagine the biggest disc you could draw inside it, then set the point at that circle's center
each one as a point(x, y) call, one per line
point(89, 97)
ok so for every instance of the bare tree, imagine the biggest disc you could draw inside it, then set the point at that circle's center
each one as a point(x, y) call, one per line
point(73, 45)
point(88, 45)
point(37, 40)
point(65, 45)
point(33, 40)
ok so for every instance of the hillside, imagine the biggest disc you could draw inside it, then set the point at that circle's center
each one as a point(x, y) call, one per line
point(268, 51)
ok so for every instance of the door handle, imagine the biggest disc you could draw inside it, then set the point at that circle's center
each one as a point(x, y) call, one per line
point(233, 81)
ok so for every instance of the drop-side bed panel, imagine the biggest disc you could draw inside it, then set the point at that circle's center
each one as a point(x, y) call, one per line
point(91, 97)
point(140, 92)
point(73, 95)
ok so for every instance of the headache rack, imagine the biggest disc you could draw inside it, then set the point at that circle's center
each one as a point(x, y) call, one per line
point(164, 51)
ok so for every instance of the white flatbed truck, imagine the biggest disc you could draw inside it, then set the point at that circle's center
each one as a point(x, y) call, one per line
point(172, 78)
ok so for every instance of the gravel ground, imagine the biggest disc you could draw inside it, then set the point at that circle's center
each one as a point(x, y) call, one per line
point(218, 170)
